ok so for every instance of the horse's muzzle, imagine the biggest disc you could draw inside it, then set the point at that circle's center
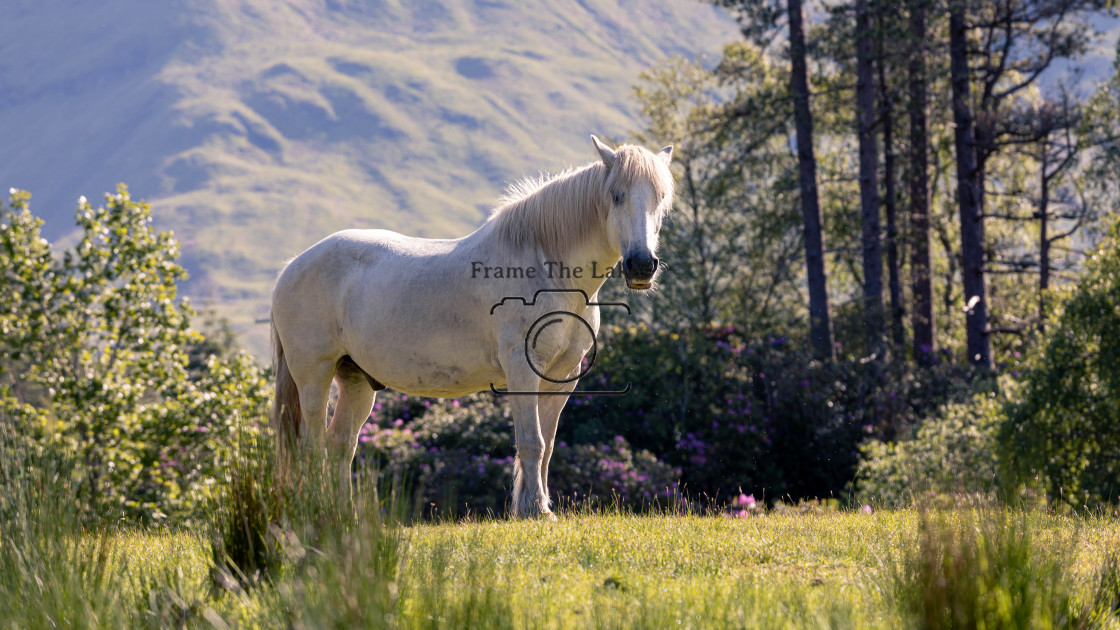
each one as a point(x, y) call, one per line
point(639, 270)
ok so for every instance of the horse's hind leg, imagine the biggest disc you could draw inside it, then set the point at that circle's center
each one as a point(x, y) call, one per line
point(313, 381)
point(355, 401)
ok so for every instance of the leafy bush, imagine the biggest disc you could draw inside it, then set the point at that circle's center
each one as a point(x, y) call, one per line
point(1064, 435)
point(612, 472)
point(737, 414)
point(952, 452)
point(458, 455)
point(96, 353)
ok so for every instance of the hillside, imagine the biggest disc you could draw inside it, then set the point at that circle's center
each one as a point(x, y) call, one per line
point(255, 128)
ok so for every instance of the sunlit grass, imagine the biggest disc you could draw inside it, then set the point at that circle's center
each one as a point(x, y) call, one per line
point(793, 569)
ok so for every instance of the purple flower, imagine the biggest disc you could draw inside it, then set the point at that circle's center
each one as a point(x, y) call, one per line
point(867, 509)
point(745, 501)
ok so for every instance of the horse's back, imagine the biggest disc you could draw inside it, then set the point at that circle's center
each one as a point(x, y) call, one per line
point(394, 304)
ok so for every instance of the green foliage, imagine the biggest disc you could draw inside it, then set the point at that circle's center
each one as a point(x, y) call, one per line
point(95, 354)
point(952, 452)
point(731, 245)
point(1064, 434)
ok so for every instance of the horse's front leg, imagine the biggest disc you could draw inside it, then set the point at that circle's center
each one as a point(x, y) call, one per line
point(548, 410)
point(529, 496)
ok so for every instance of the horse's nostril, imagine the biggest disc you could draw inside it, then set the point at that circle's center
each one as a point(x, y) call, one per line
point(656, 262)
point(629, 265)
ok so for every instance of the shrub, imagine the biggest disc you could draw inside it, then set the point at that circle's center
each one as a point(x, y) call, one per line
point(458, 455)
point(1064, 435)
point(952, 452)
point(95, 350)
point(611, 472)
point(740, 414)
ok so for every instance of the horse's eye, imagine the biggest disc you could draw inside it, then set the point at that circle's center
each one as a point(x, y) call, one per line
point(617, 198)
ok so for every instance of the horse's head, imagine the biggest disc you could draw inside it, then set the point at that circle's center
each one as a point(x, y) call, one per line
point(640, 189)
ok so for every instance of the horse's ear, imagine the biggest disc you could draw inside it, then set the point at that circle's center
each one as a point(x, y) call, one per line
point(605, 152)
point(666, 153)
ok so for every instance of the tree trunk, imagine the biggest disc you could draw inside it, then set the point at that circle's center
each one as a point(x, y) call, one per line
point(921, 279)
point(968, 195)
point(820, 323)
point(1043, 240)
point(894, 283)
point(869, 185)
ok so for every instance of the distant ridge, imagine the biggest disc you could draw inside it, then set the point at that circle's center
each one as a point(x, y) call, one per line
point(256, 128)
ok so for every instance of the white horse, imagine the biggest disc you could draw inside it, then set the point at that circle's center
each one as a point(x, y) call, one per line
point(372, 309)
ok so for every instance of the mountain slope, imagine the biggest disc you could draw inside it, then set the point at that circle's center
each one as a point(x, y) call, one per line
point(256, 127)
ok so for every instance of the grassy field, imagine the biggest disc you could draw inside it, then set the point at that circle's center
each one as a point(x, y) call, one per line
point(797, 568)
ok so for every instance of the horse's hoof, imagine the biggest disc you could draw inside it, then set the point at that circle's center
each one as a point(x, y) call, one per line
point(532, 514)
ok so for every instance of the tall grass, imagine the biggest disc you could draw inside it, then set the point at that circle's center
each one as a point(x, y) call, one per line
point(283, 537)
point(988, 568)
point(62, 567)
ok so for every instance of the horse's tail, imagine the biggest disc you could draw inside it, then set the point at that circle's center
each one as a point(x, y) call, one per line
point(285, 406)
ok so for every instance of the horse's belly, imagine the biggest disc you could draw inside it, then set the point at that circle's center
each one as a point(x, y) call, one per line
point(431, 369)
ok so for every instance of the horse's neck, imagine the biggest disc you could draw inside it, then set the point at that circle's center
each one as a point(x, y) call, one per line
point(594, 256)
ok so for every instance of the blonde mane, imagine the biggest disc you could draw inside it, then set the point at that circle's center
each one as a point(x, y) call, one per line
point(557, 212)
